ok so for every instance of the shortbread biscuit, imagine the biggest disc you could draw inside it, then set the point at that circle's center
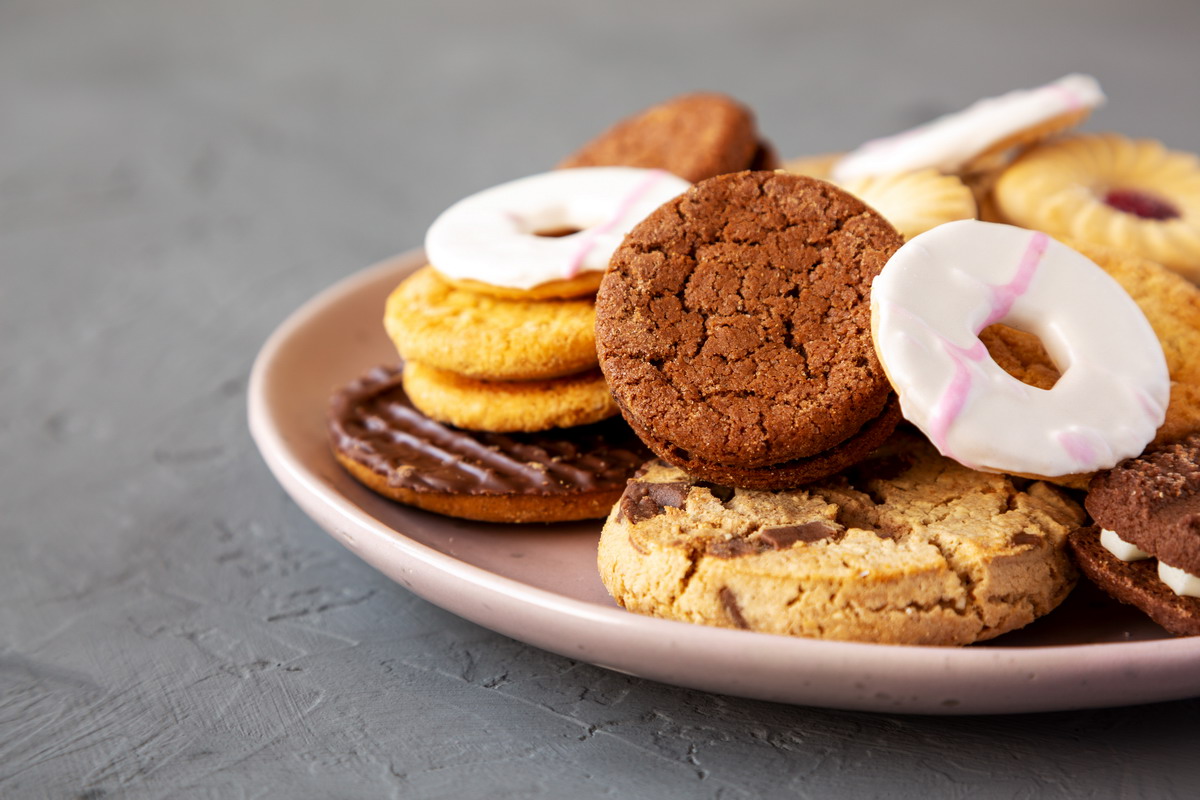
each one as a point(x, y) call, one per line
point(907, 547)
point(395, 450)
point(733, 324)
point(914, 202)
point(695, 136)
point(508, 406)
point(486, 337)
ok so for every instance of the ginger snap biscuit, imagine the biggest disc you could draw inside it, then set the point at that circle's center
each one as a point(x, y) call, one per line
point(1134, 196)
point(914, 202)
point(1144, 549)
point(733, 325)
point(395, 450)
point(695, 136)
point(506, 406)
point(907, 547)
point(486, 337)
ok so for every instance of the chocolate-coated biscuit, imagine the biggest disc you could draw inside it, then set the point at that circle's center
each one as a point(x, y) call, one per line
point(906, 547)
point(389, 446)
point(695, 136)
point(733, 325)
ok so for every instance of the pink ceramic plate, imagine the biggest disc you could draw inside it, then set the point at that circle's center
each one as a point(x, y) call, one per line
point(539, 583)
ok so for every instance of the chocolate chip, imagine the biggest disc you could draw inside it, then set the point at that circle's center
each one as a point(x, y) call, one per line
point(729, 600)
point(781, 537)
point(642, 501)
point(1021, 538)
point(730, 548)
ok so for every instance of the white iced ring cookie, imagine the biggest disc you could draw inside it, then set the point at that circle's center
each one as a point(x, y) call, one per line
point(512, 235)
point(942, 288)
point(954, 141)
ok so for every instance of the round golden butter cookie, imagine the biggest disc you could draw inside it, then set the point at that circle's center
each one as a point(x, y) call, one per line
point(1132, 195)
point(907, 547)
point(914, 202)
point(508, 406)
point(480, 336)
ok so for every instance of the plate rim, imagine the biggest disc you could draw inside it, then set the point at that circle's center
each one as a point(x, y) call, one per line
point(317, 497)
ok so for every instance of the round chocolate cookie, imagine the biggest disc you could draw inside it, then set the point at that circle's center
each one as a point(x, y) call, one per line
point(906, 547)
point(393, 449)
point(694, 136)
point(733, 325)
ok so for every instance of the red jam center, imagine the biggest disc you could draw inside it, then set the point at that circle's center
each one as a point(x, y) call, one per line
point(1141, 204)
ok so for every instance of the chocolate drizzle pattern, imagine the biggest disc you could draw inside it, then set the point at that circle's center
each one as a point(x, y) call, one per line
point(372, 421)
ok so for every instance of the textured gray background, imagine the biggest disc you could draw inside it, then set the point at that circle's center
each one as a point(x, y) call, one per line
point(175, 177)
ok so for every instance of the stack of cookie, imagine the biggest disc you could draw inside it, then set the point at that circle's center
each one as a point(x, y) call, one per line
point(734, 328)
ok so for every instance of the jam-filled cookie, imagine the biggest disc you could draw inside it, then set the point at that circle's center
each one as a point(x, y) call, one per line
point(1132, 195)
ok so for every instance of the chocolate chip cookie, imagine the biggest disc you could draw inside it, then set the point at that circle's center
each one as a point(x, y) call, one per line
point(907, 547)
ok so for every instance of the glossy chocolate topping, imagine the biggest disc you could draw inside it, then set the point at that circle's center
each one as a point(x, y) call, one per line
point(372, 422)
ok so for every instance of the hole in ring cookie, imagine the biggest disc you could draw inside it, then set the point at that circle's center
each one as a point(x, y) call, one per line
point(557, 232)
point(1021, 354)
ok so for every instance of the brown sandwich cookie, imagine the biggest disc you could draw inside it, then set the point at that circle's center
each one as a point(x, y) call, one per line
point(733, 325)
point(695, 136)
point(393, 449)
point(1146, 540)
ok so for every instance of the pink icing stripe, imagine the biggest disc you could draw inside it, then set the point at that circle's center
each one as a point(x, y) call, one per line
point(1004, 295)
point(594, 233)
point(1077, 447)
point(952, 400)
point(1072, 100)
point(954, 397)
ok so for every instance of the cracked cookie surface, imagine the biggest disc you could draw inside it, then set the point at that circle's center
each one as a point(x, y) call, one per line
point(733, 325)
point(906, 547)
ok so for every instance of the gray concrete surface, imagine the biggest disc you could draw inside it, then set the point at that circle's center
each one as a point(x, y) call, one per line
point(175, 177)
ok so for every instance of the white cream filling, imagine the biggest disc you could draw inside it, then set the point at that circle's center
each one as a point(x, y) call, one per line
point(1121, 548)
point(1181, 583)
point(1178, 581)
